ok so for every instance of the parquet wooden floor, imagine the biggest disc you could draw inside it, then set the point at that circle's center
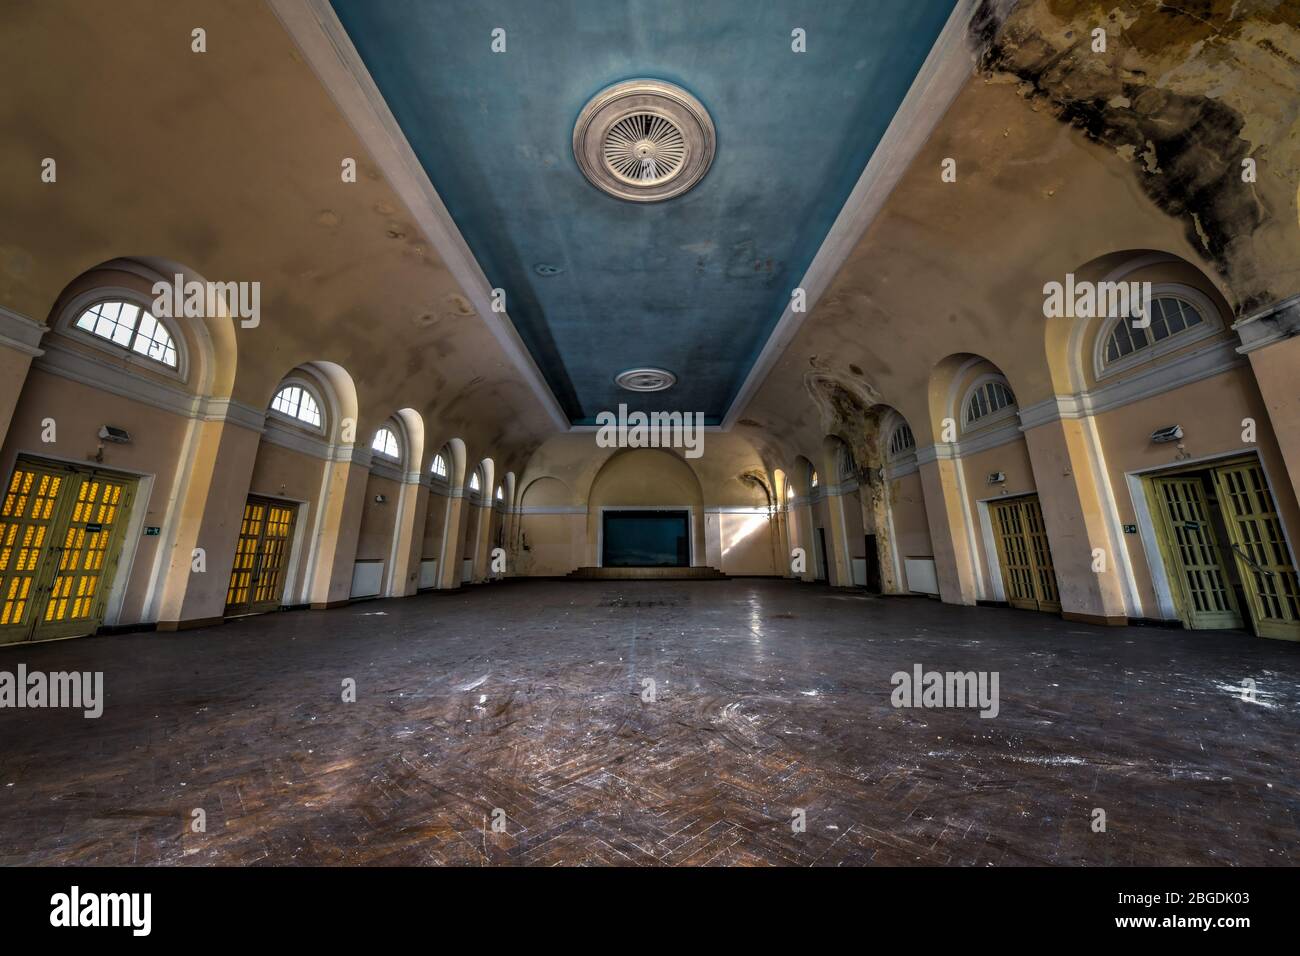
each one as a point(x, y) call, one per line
point(526, 699)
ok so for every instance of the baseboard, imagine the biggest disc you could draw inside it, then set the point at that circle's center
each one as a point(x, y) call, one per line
point(1102, 620)
point(110, 629)
point(169, 626)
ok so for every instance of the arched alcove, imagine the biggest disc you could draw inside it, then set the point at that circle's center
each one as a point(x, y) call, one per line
point(639, 496)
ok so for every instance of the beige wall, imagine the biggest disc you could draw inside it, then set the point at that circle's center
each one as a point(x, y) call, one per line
point(1211, 412)
point(158, 441)
point(569, 479)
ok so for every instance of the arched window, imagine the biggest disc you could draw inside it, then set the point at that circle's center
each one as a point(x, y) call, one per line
point(130, 328)
point(386, 444)
point(439, 466)
point(990, 397)
point(500, 494)
point(812, 478)
point(901, 441)
point(848, 467)
point(1169, 315)
point(474, 482)
point(294, 401)
point(789, 491)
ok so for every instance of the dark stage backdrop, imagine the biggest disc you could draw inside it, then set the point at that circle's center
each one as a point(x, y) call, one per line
point(641, 539)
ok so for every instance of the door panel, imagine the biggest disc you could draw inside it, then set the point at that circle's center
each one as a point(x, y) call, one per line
point(257, 575)
point(87, 555)
point(1193, 555)
point(1024, 554)
point(61, 531)
point(25, 520)
point(273, 555)
point(1260, 549)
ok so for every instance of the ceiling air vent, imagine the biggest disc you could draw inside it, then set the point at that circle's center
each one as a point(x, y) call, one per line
point(645, 379)
point(644, 140)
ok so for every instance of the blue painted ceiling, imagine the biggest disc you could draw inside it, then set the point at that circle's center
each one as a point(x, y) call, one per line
point(694, 284)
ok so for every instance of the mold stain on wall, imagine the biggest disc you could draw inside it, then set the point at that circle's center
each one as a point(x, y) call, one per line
point(1184, 93)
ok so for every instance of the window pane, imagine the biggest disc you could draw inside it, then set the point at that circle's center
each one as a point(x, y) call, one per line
point(1173, 315)
point(153, 340)
point(286, 402)
point(308, 410)
point(386, 443)
point(1169, 317)
point(1159, 328)
point(126, 325)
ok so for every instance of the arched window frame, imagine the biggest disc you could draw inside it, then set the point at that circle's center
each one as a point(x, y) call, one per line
point(474, 484)
point(500, 494)
point(395, 430)
point(314, 392)
point(813, 480)
point(443, 476)
point(1212, 324)
point(845, 463)
point(79, 304)
point(994, 417)
point(902, 440)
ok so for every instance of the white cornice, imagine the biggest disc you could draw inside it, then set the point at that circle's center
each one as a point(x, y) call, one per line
point(89, 369)
point(229, 410)
point(20, 333)
point(903, 464)
point(950, 64)
point(384, 468)
point(286, 435)
point(1215, 359)
point(1003, 433)
point(326, 46)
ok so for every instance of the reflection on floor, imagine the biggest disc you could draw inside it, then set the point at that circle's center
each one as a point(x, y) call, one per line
point(770, 697)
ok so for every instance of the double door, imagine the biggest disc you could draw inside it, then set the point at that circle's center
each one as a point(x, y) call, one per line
point(261, 556)
point(1222, 542)
point(61, 535)
point(1024, 554)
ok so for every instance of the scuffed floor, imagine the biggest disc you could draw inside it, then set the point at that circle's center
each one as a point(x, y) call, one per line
point(772, 697)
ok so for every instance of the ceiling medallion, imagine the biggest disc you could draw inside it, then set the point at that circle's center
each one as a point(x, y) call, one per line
point(645, 379)
point(644, 140)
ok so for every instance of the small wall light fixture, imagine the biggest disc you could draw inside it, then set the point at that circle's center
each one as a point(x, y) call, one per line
point(1167, 434)
point(380, 499)
point(997, 478)
point(119, 436)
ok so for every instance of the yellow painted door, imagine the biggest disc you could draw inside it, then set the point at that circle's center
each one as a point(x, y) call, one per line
point(1260, 550)
point(25, 532)
point(257, 576)
point(1193, 555)
point(61, 530)
point(1024, 554)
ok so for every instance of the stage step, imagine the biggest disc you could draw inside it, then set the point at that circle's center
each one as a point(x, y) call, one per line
point(649, 574)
